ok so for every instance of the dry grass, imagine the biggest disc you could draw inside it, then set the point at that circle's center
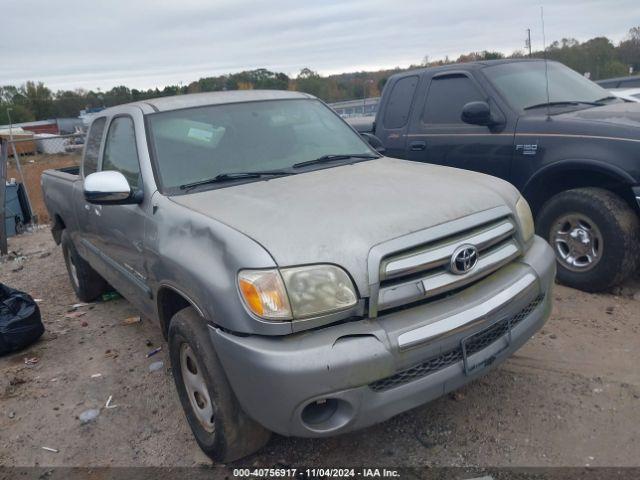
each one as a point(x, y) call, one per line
point(32, 168)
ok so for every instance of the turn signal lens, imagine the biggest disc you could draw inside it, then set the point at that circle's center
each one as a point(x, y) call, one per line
point(525, 218)
point(264, 294)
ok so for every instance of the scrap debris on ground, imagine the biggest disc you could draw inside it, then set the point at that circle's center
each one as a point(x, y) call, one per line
point(569, 397)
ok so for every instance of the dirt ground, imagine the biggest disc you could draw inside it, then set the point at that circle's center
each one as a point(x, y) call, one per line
point(32, 168)
point(569, 397)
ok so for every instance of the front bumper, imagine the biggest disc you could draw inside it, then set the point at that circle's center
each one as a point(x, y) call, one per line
point(368, 371)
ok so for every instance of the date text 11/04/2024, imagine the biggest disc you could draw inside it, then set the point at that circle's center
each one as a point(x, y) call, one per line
point(316, 472)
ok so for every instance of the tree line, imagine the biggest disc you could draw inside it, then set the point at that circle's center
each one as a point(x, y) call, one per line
point(599, 56)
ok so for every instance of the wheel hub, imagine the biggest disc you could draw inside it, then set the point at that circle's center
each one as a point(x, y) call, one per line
point(196, 388)
point(577, 241)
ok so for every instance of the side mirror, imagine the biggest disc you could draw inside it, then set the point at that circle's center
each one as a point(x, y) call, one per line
point(109, 188)
point(478, 113)
point(374, 141)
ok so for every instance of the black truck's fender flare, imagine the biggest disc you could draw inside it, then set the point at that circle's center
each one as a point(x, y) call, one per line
point(551, 175)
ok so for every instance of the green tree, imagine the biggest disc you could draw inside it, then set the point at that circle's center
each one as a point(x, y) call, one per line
point(68, 103)
point(38, 98)
point(309, 81)
point(628, 52)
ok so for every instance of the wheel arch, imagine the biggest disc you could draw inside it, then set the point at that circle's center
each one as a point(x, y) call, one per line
point(57, 227)
point(577, 173)
point(170, 300)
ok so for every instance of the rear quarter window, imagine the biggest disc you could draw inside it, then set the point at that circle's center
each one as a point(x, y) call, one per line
point(399, 103)
point(92, 150)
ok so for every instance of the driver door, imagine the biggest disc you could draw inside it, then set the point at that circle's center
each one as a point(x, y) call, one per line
point(120, 228)
point(438, 135)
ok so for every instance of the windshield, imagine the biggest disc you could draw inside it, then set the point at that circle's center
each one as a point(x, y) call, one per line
point(196, 144)
point(523, 84)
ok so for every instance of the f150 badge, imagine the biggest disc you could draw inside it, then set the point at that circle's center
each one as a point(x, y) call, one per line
point(527, 149)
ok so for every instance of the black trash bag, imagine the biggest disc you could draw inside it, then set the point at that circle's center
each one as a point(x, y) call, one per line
point(20, 323)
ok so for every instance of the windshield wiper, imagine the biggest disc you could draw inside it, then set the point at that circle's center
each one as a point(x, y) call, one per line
point(567, 102)
point(226, 177)
point(333, 157)
point(604, 99)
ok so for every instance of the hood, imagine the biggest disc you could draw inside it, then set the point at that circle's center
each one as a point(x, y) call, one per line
point(336, 215)
point(622, 114)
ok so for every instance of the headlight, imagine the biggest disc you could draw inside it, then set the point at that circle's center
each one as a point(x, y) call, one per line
point(264, 294)
point(525, 218)
point(318, 289)
point(298, 292)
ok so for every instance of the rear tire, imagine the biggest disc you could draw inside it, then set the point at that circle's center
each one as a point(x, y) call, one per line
point(595, 235)
point(223, 431)
point(86, 282)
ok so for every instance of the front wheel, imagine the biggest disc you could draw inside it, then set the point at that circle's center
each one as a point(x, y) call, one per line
point(219, 425)
point(595, 236)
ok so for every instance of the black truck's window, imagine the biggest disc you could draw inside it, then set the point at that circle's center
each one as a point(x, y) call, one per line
point(446, 97)
point(93, 146)
point(397, 110)
point(120, 152)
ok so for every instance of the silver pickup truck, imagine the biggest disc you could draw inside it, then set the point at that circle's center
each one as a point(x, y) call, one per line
point(306, 284)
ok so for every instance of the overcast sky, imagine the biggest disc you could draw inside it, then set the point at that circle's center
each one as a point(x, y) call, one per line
point(148, 43)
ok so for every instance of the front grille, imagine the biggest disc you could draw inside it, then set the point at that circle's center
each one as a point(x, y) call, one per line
point(423, 272)
point(477, 342)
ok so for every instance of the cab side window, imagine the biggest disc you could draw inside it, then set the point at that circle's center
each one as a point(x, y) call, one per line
point(120, 152)
point(92, 150)
point(446, 97)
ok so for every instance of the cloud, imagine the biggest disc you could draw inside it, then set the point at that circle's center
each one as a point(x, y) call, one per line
point(149, 43)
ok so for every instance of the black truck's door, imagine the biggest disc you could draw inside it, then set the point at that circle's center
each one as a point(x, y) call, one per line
point(437, 134)
point(393, 114)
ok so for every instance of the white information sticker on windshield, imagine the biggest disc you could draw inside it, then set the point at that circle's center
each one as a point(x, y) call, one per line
point(199, 134)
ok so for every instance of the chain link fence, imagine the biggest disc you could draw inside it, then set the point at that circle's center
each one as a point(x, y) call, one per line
point(23, 158)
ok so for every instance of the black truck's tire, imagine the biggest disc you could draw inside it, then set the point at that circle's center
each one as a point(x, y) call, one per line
point(86, 282)
point(596, 221)
point(228, 434)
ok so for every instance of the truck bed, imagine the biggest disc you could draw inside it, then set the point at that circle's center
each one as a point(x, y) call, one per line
point(67, 172)
point(58, 192)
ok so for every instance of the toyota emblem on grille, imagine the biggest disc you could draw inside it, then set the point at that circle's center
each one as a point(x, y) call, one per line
point(464, 259)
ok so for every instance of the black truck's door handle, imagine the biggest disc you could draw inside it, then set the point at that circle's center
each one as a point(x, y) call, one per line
point(417, 146)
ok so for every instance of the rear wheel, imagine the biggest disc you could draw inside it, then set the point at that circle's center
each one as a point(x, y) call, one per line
point(86, 282)
point(595, 235)
point(220, 426)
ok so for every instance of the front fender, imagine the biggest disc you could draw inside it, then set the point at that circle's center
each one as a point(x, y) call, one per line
point(199, 258)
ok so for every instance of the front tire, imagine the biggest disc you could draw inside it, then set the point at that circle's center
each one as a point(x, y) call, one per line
point(223, 431)
point(86, 282)
point(595, 235)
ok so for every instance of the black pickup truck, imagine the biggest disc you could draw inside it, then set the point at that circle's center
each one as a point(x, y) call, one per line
point(570, 147)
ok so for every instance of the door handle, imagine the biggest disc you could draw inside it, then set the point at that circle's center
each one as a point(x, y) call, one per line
point(417, 146)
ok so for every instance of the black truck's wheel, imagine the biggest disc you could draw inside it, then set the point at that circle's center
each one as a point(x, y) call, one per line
point(223, 431)
point(595, 235)
point(86, 282)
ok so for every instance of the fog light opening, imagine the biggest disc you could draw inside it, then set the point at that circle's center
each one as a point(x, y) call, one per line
point(319, 412)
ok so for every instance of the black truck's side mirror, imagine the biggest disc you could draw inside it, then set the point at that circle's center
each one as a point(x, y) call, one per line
point(374, 141)
point(478, 113)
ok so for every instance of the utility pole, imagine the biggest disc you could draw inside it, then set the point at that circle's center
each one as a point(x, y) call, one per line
point(9, 110)
point(528, 40)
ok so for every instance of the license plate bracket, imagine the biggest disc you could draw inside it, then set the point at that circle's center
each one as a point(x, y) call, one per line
point(470, 369)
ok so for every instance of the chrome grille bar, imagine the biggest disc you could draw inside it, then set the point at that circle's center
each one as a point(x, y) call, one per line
point(435, 283)
point(420, 260)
